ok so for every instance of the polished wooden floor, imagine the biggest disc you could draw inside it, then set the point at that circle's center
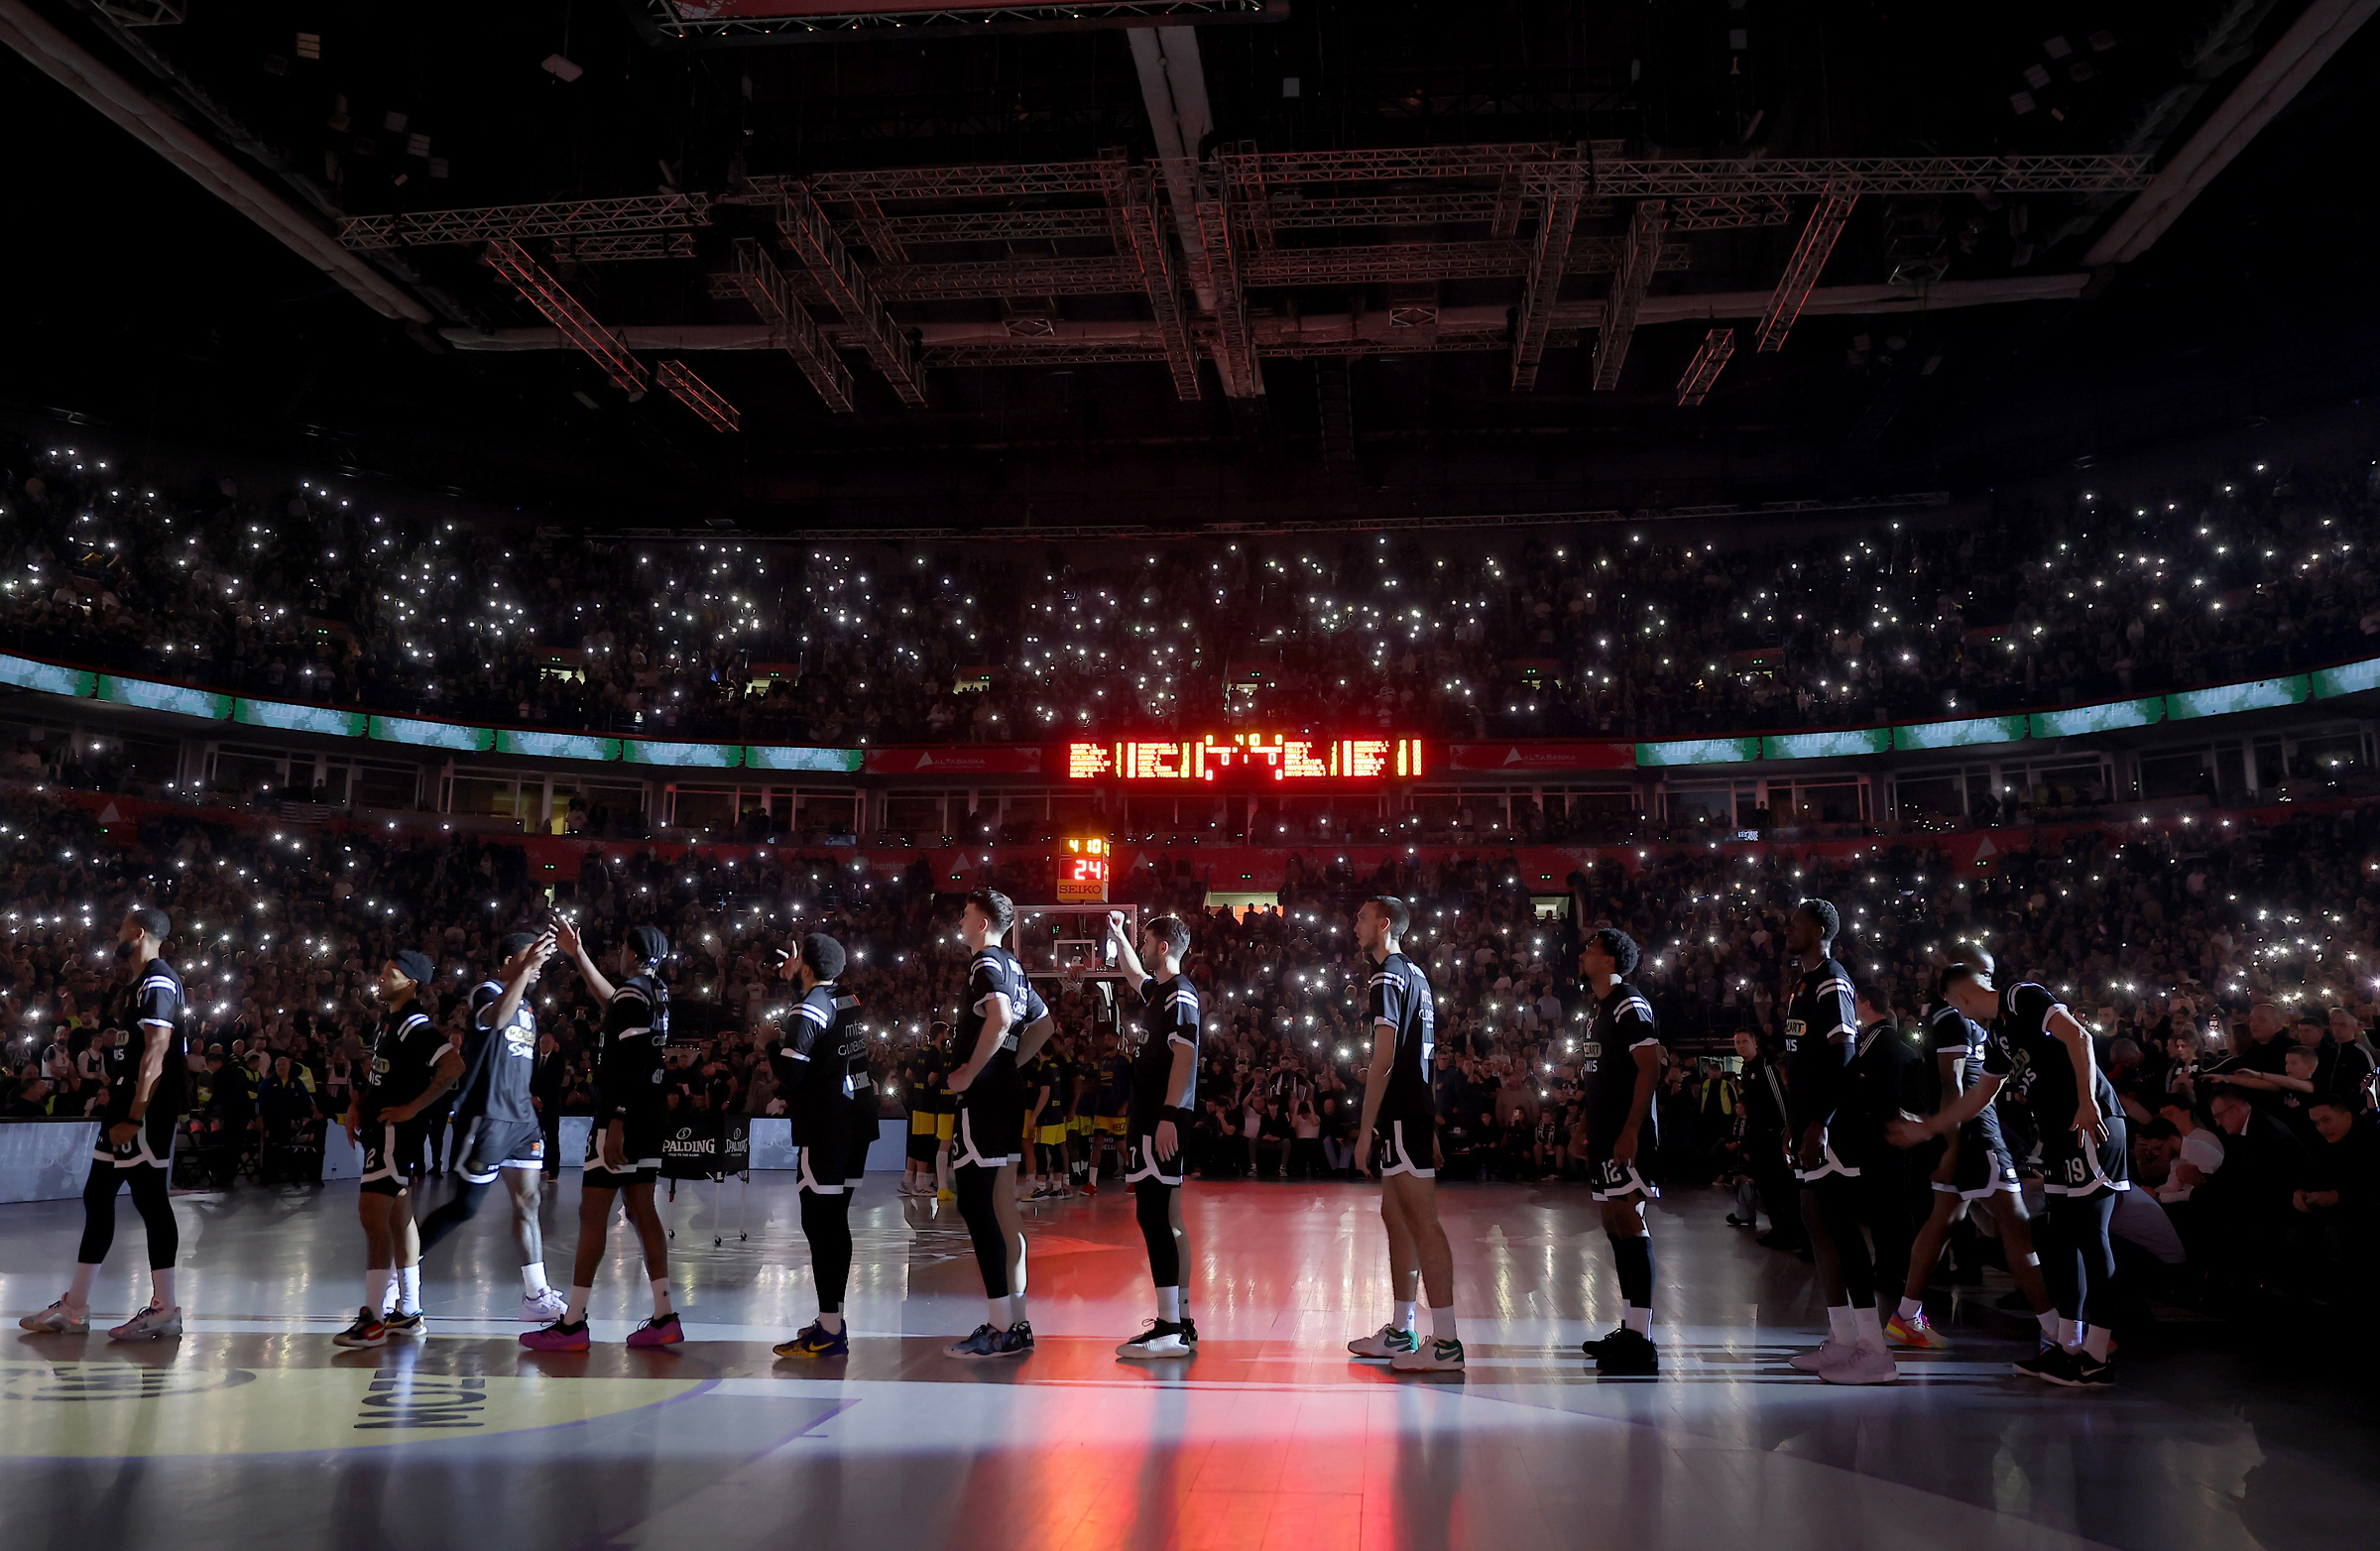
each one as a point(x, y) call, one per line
point(255, 1431)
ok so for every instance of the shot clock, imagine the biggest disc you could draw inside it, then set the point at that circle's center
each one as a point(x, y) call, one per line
point(1083, 872)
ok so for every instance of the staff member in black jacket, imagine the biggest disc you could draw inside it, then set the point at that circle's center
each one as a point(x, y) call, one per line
point(546, 1079)
point(1761, 1119)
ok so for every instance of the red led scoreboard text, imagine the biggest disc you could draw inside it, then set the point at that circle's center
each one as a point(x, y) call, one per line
point(1261, 756)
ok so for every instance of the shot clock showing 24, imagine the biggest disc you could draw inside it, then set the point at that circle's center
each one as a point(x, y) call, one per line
point(1083, 872)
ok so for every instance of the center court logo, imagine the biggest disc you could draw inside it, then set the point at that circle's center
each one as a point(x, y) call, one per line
point(89, 1381)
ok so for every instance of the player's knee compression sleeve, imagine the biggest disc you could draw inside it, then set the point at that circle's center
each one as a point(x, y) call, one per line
point(826, 1222)
point(1154, 1203)
point(2083, 1242)
point(454, 1213)
point(99, 1213)
point(1633, 1257)
point(975, 1185)
point(149, 1193)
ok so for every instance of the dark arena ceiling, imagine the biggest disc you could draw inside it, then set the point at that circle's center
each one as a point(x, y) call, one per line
point(785, 265)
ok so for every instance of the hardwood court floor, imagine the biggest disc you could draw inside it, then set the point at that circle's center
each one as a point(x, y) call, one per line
point(254, 1431)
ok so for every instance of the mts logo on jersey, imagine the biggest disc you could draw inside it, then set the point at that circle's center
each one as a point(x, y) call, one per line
point(1794, 1029)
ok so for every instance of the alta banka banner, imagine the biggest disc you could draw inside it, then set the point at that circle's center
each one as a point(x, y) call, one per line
point(986, 758)
point(1525, 757)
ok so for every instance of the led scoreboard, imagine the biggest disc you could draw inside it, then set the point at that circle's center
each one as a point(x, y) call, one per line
point(1083, 873)
point(1245, 755)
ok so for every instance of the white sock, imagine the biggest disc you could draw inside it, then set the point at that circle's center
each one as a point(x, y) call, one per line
point(79, 1295)
point(533, 1280)
point(832, 1324)
point(376, 1289)
point(2049, 1325)
point(999, 1312)
point(1911, 1308)
point(1020, 1314)
point(1442, 1323)
point(1870, 1326)
point(1839, 1327)
point(1404, 1313)
point(408, 1288)
point(2069, 1333)
point(2095, 1341)
point(577, 1311)
point(162, 1281)
point(1638, 1320)
point(661, 1297)
point(1169, 1305)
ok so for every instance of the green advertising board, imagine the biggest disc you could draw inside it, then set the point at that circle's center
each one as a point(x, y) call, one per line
point(434, 734)
point(152, 696)
point(299, 718)
point(1700, 751)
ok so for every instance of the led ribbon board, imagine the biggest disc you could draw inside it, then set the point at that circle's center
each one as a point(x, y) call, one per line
point(1245, 755)
point(299, 718)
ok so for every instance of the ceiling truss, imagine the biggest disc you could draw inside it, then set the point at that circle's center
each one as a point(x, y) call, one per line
point(1029, 234)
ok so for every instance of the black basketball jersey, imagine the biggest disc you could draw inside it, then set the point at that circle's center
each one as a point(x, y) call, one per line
point(156, 999)
point(1400, 997)
point(1822, 1028)
point(1950, 1031)
point(821, 1062)
point(2022, 1051)
point(498, 1063)
point(404, 1054)
point(1622, 1025)
point(1169, 1020)
point(996, 977)
point(628, 1056)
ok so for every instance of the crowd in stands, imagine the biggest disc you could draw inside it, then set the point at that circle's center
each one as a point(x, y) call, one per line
point(2228, 975)
point(303, 594)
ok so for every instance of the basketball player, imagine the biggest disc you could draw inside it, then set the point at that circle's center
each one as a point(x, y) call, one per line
point(1081, 1106)
point(1822, 1033)
point(147, 1079)
point(624, 1147)
point(2085, 1158)
point(500, 1136)
point(1009, 1022)
point(413, 1064)
point(1622, 1139)
point(924, 1079)
point(1889, 1077)
point(1040, 1130)
point(1976, 1169)
point(946, 1111)
point(821, 1062)
point(1164, 1078)
point(1400, 1127)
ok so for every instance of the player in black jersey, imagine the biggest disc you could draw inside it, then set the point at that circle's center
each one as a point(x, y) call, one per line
point(1009, 1022)
point(148, 1084)
point(2083, 1154)
point(1890, 1077)
point(1400, 1132)
point(821, 1063)
point(624, 1147)
point(1976, 1167)
point(412, 1065)
point(1622, 1064)
point(497, 1124)
point(1163, 1109)
point(1822, 1031)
